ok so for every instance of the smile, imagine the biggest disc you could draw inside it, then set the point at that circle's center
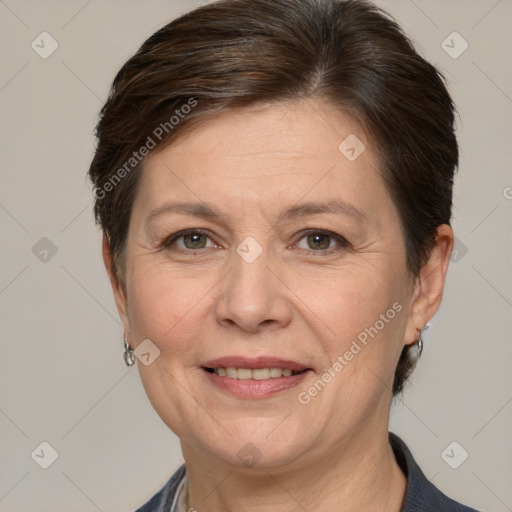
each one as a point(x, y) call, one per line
point(254, 373)
point(254, 383)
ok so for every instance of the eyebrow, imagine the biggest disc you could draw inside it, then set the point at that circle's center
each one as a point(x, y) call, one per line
point(209, 212)
point(337, 207)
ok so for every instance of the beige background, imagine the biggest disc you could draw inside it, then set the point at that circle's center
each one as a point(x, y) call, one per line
point(62, 378)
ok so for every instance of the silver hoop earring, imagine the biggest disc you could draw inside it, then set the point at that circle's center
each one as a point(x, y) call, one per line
point(129, 354)
point(419, 343)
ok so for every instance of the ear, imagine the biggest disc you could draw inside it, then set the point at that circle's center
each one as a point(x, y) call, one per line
point(429, 286)
point(117, 288)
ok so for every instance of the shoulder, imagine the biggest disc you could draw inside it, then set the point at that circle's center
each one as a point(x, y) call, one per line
point(163, 500)
point(421, 494)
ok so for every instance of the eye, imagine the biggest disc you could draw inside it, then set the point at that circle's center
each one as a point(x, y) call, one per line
point(189, 240)
point(322, 242)
point(318, 242)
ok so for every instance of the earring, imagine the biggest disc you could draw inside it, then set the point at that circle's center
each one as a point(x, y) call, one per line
point(419, 343)
point(129, 354)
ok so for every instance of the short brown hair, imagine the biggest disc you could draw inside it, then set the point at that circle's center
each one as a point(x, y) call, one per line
point(235, 53)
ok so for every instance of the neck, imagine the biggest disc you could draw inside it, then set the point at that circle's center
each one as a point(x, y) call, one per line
point(359, 474)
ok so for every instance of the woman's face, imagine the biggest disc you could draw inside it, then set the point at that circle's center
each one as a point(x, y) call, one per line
point(304, 261)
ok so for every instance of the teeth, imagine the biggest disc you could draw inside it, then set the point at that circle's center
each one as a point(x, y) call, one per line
point(256, 374)
point(259, 374)
point(231, 373)
point(243, 373)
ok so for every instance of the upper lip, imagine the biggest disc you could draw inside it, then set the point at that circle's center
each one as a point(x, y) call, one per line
point(253, 363)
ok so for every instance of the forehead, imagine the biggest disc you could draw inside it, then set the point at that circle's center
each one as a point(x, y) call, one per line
point(286, 132)
point(272, 155)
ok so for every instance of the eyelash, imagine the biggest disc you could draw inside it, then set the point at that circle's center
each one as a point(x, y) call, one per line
point(342, 242)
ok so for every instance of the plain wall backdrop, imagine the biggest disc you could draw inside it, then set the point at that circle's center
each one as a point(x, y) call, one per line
point(62, 377)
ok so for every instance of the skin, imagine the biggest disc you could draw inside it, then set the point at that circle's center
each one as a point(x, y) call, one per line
point(333, 453)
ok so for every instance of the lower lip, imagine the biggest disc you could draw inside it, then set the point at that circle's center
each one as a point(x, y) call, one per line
point(251, 388)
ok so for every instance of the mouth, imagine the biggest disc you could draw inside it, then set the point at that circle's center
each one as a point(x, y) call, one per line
point(254, 378)
point(254, 373)
point(258, 368)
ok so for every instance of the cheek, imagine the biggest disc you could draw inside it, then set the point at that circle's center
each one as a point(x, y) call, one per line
point(358, 317)
point(155, 302)
point(349, 299)
point(168, 307)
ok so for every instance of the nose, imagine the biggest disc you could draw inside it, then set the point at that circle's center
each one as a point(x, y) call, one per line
point(254, 295)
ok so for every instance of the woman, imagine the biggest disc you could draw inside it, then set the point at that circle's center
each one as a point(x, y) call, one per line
point(274, 183)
